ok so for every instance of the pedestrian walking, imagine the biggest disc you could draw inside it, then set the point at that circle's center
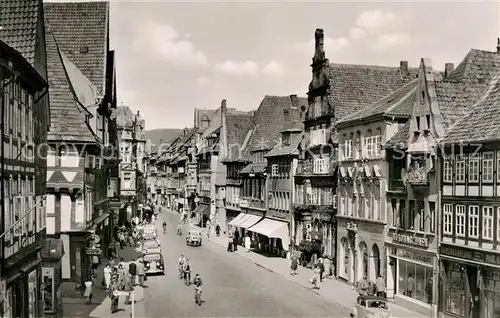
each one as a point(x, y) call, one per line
point(132, 270)
point(294, 263)
point(230, 242)
point(114, 297)
point(186, 269)
point(321, 269)
point(362, 287)
point(107, 276)
point(236, 238)
point(88, 291)
point(315, 277)
point(129, 288)
point(248, 243)
point(141, 272)
point(380, 282)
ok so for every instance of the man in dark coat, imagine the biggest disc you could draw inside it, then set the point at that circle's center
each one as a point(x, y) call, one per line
point(236, 239)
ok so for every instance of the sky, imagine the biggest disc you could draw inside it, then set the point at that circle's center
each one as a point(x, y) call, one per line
point(173, 57)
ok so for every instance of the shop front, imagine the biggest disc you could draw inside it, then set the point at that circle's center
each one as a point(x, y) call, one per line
point(272, 235)
point(51, 254)
point(411, 276)
point(470, 282)
point(360, 249)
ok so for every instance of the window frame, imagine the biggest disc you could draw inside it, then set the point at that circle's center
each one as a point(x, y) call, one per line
point(460, 220)
point(473, 169)
point(274, 170)
point(448, 219)
point(460, 169)
point(485, 167)
point(487, 218)
point(448, 171)
point(473, 214)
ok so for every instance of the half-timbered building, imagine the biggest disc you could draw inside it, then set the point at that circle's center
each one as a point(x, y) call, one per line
point(24, 123)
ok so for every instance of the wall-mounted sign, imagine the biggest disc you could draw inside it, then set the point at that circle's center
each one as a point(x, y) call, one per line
point(93, 251)
point(415, 256)
point(243, 203)
point(279, 214)
point(410, 239)
point(470, 255)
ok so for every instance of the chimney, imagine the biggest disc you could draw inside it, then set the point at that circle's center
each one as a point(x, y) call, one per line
point(403, 68)
point(303, 110)
point(498, 45)
point(448, 69)
point(294, 100)
point(319, 51)
point(186, 131)
point(223, 105)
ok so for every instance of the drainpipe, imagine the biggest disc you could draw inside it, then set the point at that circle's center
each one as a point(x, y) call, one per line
point(2, 175)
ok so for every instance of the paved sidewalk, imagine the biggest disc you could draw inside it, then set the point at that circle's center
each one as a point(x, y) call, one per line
point(342, 293)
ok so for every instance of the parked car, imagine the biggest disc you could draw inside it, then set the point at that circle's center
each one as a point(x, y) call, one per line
point(194, 238)
point(153, 264)
point(371, 307)
point(151, 247)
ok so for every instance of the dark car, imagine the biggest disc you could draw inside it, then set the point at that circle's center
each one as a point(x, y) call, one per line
point(154, 264)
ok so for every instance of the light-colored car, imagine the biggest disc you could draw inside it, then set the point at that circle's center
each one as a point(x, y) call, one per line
point(153, 263)
point(371, 307)
point(194, 238)
point(151, 247)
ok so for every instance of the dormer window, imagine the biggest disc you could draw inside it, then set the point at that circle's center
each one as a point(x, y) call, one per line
point(285, 139)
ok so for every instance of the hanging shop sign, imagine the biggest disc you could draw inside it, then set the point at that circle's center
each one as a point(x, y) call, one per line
point(410, 239)
point(94, 251)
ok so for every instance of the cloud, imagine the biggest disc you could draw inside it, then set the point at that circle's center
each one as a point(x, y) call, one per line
point(272, 68)
point(167, 43)
point(237, 68)
point(387, 41)
point(375, 21)
point(202, 81)
point(357, 34)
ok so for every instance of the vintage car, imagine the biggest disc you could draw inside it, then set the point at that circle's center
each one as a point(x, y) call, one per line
point(371, 307)
point(193, 238)
point(151, 247)
point(153, 264)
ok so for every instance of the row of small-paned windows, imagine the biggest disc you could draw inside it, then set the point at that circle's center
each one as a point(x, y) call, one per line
point(19, 112)
point(19, 206)
point(233, 172)
point(416, 217)
point(472, 166)
point(254, 188)
point(280, 169)
point(233, 195)
point(321, 165)
point(259, 156)
point(365, 206)
point(280, 200)
point(318, 136)
point(472, 221)
point(319, 196)
point(356, 145)
point(205, 184)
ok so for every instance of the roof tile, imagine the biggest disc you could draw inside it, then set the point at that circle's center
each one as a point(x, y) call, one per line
point(81, 30)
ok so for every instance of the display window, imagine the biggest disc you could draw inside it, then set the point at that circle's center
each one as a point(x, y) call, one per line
point(455, 292)
point(415, 281)
point(48, 289)
point(7, 303)
point(32, 294)
point(492, 294)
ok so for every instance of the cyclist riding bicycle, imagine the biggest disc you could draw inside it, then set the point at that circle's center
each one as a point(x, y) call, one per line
point(198, 284)
point(164, 226)
point(186, 269)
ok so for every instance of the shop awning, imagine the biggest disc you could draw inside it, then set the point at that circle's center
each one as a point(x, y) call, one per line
point(249, 221)
point(240, 218)
point(273, 229)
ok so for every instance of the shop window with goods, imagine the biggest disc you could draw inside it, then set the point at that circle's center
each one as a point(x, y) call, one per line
point(491, 293)
point(48, 289)
point(455, 294)
point(415, 280)
point(32, 294)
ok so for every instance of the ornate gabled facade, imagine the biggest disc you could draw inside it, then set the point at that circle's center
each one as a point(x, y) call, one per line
point(24, 125)
point(82, 162)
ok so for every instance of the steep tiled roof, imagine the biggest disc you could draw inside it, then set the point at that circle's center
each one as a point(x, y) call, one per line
point(397, 104)
point(286, 150)
point(124, 117)
point(255, 167)
point(67, 116)
point(482, 123)
point(355, 87)
point(81, 30)
point(238, 129)
point(18, 23)
point(269, 120)
point(478, 66)
point(400, 139)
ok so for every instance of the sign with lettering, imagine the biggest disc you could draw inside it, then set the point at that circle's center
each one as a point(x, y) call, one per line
point(470, 255)
point(410, 239)
point(243, 203)
point(279, 214)
point(415, 256)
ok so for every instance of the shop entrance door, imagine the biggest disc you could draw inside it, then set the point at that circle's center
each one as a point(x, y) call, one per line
point(391, 277)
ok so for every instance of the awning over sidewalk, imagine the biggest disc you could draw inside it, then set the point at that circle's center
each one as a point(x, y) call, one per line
point(273, 229)
point(249, 221)
point(240, 218)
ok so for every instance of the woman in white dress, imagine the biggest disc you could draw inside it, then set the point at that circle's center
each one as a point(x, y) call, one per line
point(248, 243)
point(88, 291)
point(107, 276)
